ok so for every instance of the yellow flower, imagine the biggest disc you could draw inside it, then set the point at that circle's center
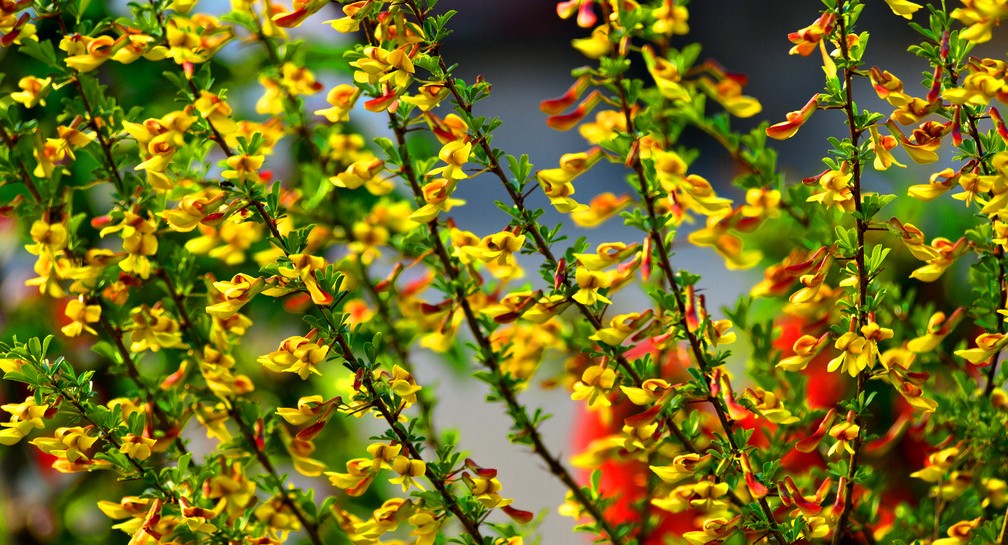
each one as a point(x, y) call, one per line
point(153, 329)
point(236, 293)
point(134, 44)
point(11, 365)
point(276, 514)
point(408, 470)
point(341, 98)
point(49, 238)
point(138, 448)
point(80, 315)
point(556, 182)
point(195, 39)
point(404, 385)
point(452, 127)
point(139, 241)
point(873, 333)
point(158, 139)
point(360, 473)
point(589, 282)
point(903, 8)
point(85, 274)
point(702, 495)
point(243, 167)
point(194, 209)
point(496, 250)
point(300, 449)
point(805, 349)
point(607, 125)
point(836, 190)
point(988, 344)
point(727, 91)
point(813, 281)
point(601, 208)
point(85, 52)
point(298, 80)
point(455, 155)
point(938, 327)
point(227, 241)
point(807, 39)
point(769, 406)
point(621, 326)
point(348, 23)
point(437, 195)
point(983, 84)
point(25, 416)
point(651, 390)
point(300, 11)
point(687, 191)
point(853, 357)
point(666, 76)
point(300, 355)
point(923, 142)
point(793, 121)
point(364, 171)
point(196, 518)
point(309, 410)
point(683, 466)
point(595, 384)
point(762, 202)
point(945, 252)
point(844, 433)
point(368, 237)
point(50, 271)
point(216, 111)
point(606, 255)
point(426, 526)
point(717, 234)
point(73, 447)
point(486, 488)
point(975, 186)
point(33, 91)
point(960, 532)
point(997, 492)
point(671, 18)
point(379, 65)
point(595, 46)
point(232, 486)
point(715, 530)
point(980, 16)
point(940, 182)
point(429, 96)
point(881, 145)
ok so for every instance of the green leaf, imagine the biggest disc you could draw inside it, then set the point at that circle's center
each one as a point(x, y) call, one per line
point(42, 51)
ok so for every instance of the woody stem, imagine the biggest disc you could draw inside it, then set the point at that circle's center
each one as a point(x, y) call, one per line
point(859, 258)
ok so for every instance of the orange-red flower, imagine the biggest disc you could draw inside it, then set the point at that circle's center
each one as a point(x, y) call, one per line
point(787, 129)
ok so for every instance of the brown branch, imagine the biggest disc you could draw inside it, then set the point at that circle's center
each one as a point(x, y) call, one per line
point(665, 264)
point(529, 226)
point(110, 437)
point(26, 178)
point(106, 146)
point(391, 418)
point(862, 316)
point(310, 526)
point(490, 357)
point(999, 253)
